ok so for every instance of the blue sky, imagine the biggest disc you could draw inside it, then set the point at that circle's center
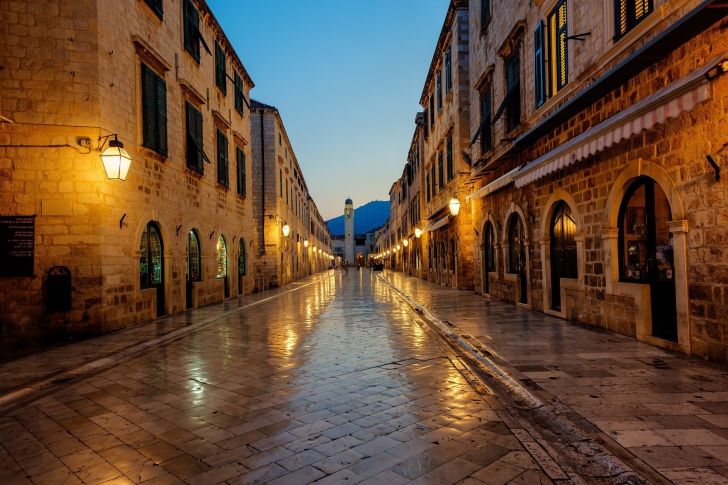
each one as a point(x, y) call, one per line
point(347, 78)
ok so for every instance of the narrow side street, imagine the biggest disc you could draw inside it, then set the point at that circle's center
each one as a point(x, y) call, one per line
point(334, 382)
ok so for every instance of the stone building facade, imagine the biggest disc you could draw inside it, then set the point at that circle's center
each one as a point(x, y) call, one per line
point(280, 197)
point(597, 137)
point(163, 79)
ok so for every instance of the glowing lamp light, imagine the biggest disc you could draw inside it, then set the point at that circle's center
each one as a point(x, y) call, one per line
point(405, 242)
point(454, 206)
point(286, 229)
point(305, 243)
point(320, 250)
point(418, 232)
point(399, 247)
point(116, 160)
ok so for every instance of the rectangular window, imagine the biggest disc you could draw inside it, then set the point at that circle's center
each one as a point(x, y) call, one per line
point(539, 71)
point(223, 172)
point(239, 95)
point(448, 156)
point(286, 191)
point(558, 49)
point(154, 111)
point(484, 13)
point(486, 134)
point(448, 71)
point(432, 111)
point(427, 182)
point(439, 91)
point(440, 178)
point(195, 148)
point(427, 126)
point(513, 95)
point(220, 71)
point(433, 179)
point(242, 179)
point(280, 181)
point(629, 13)
point(156, 6)
point(192, 30)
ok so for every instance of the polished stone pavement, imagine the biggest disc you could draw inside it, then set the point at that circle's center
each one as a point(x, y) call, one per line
point(335, 382)
point(667, 409)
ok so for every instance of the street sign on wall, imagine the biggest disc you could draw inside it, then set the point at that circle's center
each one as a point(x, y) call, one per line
point(17, 246)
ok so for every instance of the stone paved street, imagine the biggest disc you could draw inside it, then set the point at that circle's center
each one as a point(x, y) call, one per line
point(335, 382)
point(668, 410)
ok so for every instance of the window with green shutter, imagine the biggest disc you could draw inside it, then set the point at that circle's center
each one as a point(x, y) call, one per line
point(427, 183)
point(239, 93)
point(558, 48)
point(223, 173)
point(220, 72)
point(629, 13)
point(156, 6)
point(440, 178)
point(484, 13)
point(538, 57)
point(191, 29)
point(432, 111)
point(448, 152)
point(242, 179)
point(154, 111)
point(448, 71)
point(486, 134)
point(439, 91)
point(195, 149)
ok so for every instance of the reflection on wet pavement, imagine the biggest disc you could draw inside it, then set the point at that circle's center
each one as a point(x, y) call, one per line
point(333, 383)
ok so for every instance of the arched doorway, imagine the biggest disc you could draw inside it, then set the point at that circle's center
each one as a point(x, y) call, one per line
point(222, 262)
point(151, 263)
point(646, 251)
point(488, 255)
point(563, 250)
point(517, 255)
point(360, 261)
point(242, 266)
point(193, 266)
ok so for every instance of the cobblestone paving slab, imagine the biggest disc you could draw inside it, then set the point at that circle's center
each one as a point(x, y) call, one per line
point(22, 378)
point(334, 383)
point(666, 409)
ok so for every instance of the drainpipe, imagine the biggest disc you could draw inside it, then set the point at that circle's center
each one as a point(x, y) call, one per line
point(262, 185)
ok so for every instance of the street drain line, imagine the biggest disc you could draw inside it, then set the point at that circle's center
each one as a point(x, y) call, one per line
point(41, 388)
point(585, 457)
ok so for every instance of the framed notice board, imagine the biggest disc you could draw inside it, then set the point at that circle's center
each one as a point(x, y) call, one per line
point(17, 246)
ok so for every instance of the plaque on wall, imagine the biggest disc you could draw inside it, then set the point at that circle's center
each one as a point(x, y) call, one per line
point(17, 246)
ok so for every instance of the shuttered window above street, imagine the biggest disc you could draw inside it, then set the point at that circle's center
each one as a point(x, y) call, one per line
point(191, 29)
point(220, 69)
point(558, 49)
point(448, 157)
point(239, 95)
point(242, 178)
point(440, 172)
point(629, 13)
point(439, 91)
point(195, 147)
point(156, 6)
point(539, 86)
point(484, 13)
point(223, 172)
point(154, 111)
point(448, 71)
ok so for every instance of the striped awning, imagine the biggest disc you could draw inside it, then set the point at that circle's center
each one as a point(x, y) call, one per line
point(497, 184)
point(436, 224)
point(668, 102)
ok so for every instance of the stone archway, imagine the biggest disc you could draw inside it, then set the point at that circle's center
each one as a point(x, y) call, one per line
point(521, 278)
point(678, 227)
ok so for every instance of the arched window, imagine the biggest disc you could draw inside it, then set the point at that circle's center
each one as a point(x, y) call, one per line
point(242, 264)
point(443, 255)
point(563, 244)
point(151, 261)
point(516, 245)
point(489, 242)
point(221, 258)
point(194, 263)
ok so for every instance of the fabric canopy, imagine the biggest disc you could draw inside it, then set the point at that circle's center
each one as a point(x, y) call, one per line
point(497, 184)
point(436, 224)
point(668, 102)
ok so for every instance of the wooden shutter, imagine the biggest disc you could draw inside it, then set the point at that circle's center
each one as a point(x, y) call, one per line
point(440, 173)
point(238, 93)
point(485, 134)
point(195, 146)
point(448, 71)
point(162, 116)
point(223, 176)
point(157, 7)
point(242, 182)
point(540, 81)
point(220, 74)
point(149, 108)
point(562, 68)
point(192, 25)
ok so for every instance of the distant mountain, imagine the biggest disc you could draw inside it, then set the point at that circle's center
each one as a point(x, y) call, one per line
point(367, 217)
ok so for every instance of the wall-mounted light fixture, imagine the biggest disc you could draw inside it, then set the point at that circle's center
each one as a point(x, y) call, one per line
point(405, 242)
point(454, 206)
point(418, 232)
point(305, 243)
point(115, 159)
point(285, 228)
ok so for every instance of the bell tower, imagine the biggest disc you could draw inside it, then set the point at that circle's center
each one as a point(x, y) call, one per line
point(349, 232)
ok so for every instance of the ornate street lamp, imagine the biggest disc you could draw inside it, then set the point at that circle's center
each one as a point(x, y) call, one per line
point(454, 206)
point(418, 232)
point(116, 160)
point(305, 243)
point(405, 242)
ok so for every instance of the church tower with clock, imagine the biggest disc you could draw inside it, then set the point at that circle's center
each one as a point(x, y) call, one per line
point(349, 232)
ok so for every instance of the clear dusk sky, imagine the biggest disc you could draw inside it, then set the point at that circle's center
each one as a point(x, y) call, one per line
point(347, 78)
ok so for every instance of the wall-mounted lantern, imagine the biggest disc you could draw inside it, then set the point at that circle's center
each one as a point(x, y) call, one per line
point(454, 206)
point(115, 159)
